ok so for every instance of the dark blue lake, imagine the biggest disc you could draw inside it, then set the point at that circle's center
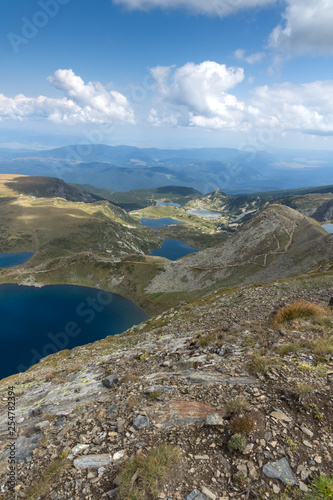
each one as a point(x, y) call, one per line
point(173, 249)
point(36, 322)
point(158, 223)
point(14, 259)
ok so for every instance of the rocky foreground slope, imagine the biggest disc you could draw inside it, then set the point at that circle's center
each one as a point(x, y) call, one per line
point(278, 242)
point(211, 400)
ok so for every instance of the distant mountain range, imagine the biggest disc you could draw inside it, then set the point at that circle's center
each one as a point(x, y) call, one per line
point(122, 168)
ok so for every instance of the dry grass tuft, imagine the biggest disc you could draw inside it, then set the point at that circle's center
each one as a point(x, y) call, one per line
point(303, 388)
point(141, 476)
point(260, 364)
point(236, 405)
point(207, 339)
point(130, 377)
point(153, 396)
point(298, 310)
point(53, 470)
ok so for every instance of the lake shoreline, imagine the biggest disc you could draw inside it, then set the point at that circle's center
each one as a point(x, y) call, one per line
point(39, 321)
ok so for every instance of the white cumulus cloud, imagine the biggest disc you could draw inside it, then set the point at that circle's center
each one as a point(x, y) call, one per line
point(200, 91)
point(304, 107)
point(306, 28)
point(83, 103)
point(200, 96)
point(250, 59)
point(207, 7)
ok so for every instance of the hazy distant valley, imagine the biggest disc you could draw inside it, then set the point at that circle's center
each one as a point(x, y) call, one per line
point(123, 168)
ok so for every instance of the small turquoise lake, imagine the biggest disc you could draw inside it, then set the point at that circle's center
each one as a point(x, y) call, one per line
point(168, 203)
point(173, 249)
point(158, 223)
point(14, 259)
point(328, 227)
point(36, 322)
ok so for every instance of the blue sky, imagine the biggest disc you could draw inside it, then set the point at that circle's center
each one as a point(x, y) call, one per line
point(167, 73)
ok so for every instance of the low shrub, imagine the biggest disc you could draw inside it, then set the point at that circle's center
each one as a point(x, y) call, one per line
point(236, 443)
point(242, 425)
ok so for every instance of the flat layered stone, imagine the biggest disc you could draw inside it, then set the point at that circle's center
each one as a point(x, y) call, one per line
point(92, 461)
point(279, 415)
point(186, 412)
point(155, 388)
point(206, 377)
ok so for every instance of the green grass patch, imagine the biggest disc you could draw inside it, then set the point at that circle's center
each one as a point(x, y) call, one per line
point(322, 487)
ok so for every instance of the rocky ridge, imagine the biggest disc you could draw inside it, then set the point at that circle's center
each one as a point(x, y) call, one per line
point(185, 378)
point(278, 242)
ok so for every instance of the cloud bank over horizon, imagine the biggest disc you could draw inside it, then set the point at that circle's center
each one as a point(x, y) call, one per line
point(83, 103)
point(191, 96)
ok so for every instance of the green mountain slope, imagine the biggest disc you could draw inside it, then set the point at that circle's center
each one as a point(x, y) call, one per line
point(49, 187)
point(141, 198)
point(52, 227)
